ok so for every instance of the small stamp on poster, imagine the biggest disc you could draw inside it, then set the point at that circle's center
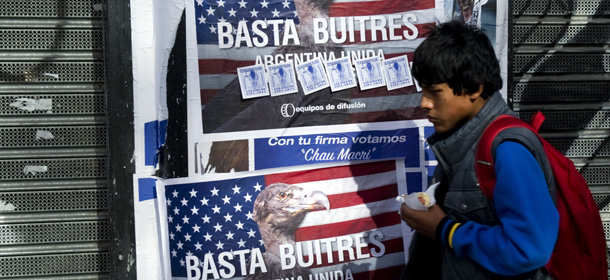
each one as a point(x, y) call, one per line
point(252, 81)
point(340, 74)
point(369, 73)
point(312, 76)
point(397, 72)
point(282, 78)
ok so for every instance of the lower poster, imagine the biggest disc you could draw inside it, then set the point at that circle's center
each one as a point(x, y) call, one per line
point(323, 222)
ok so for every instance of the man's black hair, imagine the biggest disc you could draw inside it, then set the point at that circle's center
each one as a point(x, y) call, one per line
point(461, 56)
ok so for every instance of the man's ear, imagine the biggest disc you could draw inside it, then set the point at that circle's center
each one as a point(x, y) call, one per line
point(476, 94)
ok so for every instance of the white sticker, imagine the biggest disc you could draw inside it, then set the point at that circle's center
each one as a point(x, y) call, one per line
point(369, 73)
point(56, 76)
point(33, 170)
point(397, 72)
point(5, 206)
point(43, 134)
point(252, 81)
point(312, 76)
point(340, 74)
point(282, 78)
point(30, 105)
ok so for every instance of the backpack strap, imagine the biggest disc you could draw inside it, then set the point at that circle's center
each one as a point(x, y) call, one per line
point(484, 166)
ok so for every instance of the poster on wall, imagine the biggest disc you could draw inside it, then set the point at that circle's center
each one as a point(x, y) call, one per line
point(304, 126)
point(312, 35)
point(283, 64)
point(337, 222)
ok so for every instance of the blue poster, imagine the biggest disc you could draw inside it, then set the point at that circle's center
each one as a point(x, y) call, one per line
point(334, 147)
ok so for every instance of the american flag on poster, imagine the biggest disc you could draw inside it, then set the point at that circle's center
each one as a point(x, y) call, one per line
point(213, 235)
point(217, 65)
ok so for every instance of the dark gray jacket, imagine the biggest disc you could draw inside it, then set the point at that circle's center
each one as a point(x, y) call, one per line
point(461, 197)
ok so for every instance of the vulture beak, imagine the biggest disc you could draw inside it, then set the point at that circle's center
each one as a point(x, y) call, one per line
point(316, 200)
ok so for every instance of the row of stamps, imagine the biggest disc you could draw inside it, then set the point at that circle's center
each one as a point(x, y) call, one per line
point(316, 74)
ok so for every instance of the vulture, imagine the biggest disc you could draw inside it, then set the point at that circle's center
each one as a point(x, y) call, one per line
point(278, 211)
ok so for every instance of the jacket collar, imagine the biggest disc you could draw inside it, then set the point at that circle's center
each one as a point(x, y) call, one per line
point(450, 149)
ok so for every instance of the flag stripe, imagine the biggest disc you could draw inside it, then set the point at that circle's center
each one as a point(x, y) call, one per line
point(347, 214)
point(343, 228)
point(215, 81)
point(364, 196)
point(350, 184)
point(365, 8)
point(207, 95)
point(224, 66)
point(331, 173)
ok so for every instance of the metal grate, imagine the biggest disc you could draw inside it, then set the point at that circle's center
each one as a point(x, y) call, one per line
point(52, 72)
point(27, 39)
point(51, 8)
point(52, 169)
point(45, 233)
point(561, 63)
point(582, 148)
point(579, 34)
point(54, 220)
point(64, 200)
point(572, 120)
point(52, 104)
point(27, 137)
point(560, 8)
point(596, 175)
point(602, 201)
point(53, 264)
point(561, 92)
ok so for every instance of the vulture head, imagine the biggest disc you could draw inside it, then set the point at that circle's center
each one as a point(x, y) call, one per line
point(278, 210)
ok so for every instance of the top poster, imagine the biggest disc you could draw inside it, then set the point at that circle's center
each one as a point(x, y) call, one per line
point(232, 34)
point(281, 65)
point(235, 34)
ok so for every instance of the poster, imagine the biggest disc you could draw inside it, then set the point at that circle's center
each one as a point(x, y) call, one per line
point(291, 97)
point(307, 39)
point(336, 222)
point(279, 31)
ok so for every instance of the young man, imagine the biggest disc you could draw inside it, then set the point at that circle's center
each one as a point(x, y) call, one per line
point(465, 236)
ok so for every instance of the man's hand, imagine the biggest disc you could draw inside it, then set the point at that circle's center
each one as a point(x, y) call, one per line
point(424, 222)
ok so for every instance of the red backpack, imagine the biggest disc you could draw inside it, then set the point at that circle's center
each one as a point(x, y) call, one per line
point(580, 250)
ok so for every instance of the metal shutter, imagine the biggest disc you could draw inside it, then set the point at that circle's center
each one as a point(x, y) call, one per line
point(561, 66)
point(53, 159)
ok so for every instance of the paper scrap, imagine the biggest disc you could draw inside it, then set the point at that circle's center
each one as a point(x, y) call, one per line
point(30, 105)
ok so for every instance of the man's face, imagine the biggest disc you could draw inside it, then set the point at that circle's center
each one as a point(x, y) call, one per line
point(446, 110)
point(466, 6)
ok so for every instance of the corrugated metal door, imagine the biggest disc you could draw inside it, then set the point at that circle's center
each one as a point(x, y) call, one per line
point(53, 169)
point(561, 66)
